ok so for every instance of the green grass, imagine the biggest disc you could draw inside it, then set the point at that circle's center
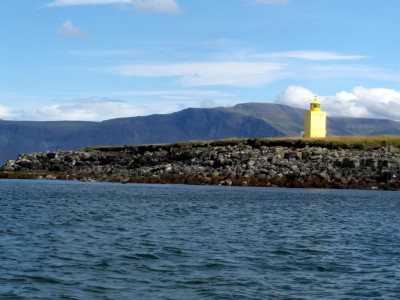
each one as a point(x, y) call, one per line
point(335, 142)
point(344, 142)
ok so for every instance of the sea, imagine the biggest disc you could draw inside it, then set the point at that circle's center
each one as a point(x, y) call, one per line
point(89, 240)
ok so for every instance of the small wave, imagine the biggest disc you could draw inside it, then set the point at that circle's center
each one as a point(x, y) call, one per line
point(103, 263)
point(147, 256)
point(322, 268)
point(43, 279)
point(281, 252)
point(11, 296)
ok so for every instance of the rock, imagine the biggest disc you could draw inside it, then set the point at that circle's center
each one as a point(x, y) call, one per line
point(251, 163)
point(393, 149)
point(51, 155)
point(234, 164)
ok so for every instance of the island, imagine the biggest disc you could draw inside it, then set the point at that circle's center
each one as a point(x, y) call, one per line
point(343, 163)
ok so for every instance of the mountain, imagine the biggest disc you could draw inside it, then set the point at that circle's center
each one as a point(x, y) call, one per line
point(242, 120)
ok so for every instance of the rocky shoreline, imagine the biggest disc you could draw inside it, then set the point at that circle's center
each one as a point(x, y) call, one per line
point(246, 163)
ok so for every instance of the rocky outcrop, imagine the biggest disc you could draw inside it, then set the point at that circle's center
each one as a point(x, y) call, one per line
point(248, 162)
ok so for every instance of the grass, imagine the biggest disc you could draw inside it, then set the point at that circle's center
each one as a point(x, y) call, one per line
point(354, 142)
point(334, 142)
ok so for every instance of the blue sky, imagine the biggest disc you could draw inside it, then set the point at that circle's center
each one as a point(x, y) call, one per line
point(102, 59)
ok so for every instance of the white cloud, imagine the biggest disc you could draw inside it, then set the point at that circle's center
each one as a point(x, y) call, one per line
point(310, 55)
point(135, 103)
point(361, 102)
point(5, 112)
point(166, 6)
point(350, 71)
point(176, 94)
point(99, 109)
point(248, 69)
point(69, 29)
point(295, 96)
point(379, 102)
point(300, 55)
point(244, 74)
point(98, 53)
point(83, 110)
point(274, 2)
point(85, 2)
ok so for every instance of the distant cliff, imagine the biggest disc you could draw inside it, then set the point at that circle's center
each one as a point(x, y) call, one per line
point(249, 162)
point(248, 120)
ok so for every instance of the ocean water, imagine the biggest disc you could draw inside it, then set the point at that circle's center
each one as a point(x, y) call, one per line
point(73, 240)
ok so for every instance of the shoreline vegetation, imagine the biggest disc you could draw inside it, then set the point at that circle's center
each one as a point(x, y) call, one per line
point(332, 162)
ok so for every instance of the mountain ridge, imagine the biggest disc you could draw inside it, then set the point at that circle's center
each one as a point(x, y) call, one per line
point(246, 120)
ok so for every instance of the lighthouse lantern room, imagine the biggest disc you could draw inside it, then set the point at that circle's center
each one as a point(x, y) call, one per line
point(315, 121)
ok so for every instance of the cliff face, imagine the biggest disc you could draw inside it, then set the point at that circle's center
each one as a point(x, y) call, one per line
point(248, 162)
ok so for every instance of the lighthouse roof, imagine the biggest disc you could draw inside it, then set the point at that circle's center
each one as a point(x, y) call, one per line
point(315, 105)
point(315, 101)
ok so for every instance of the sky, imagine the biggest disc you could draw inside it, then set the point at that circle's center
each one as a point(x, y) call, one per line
point(100, 59)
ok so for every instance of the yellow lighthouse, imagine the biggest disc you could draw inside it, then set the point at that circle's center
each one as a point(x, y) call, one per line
point(315, 121)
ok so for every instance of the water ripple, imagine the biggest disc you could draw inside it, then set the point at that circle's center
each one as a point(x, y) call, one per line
point(72, 240)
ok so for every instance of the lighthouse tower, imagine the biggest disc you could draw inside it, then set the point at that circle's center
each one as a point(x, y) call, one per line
point(315, 121)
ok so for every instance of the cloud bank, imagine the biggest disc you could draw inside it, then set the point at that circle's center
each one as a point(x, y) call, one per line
point(165, 6)
point(241, 74)
point(94, 109)
point(257, 69)
point(360, 102)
